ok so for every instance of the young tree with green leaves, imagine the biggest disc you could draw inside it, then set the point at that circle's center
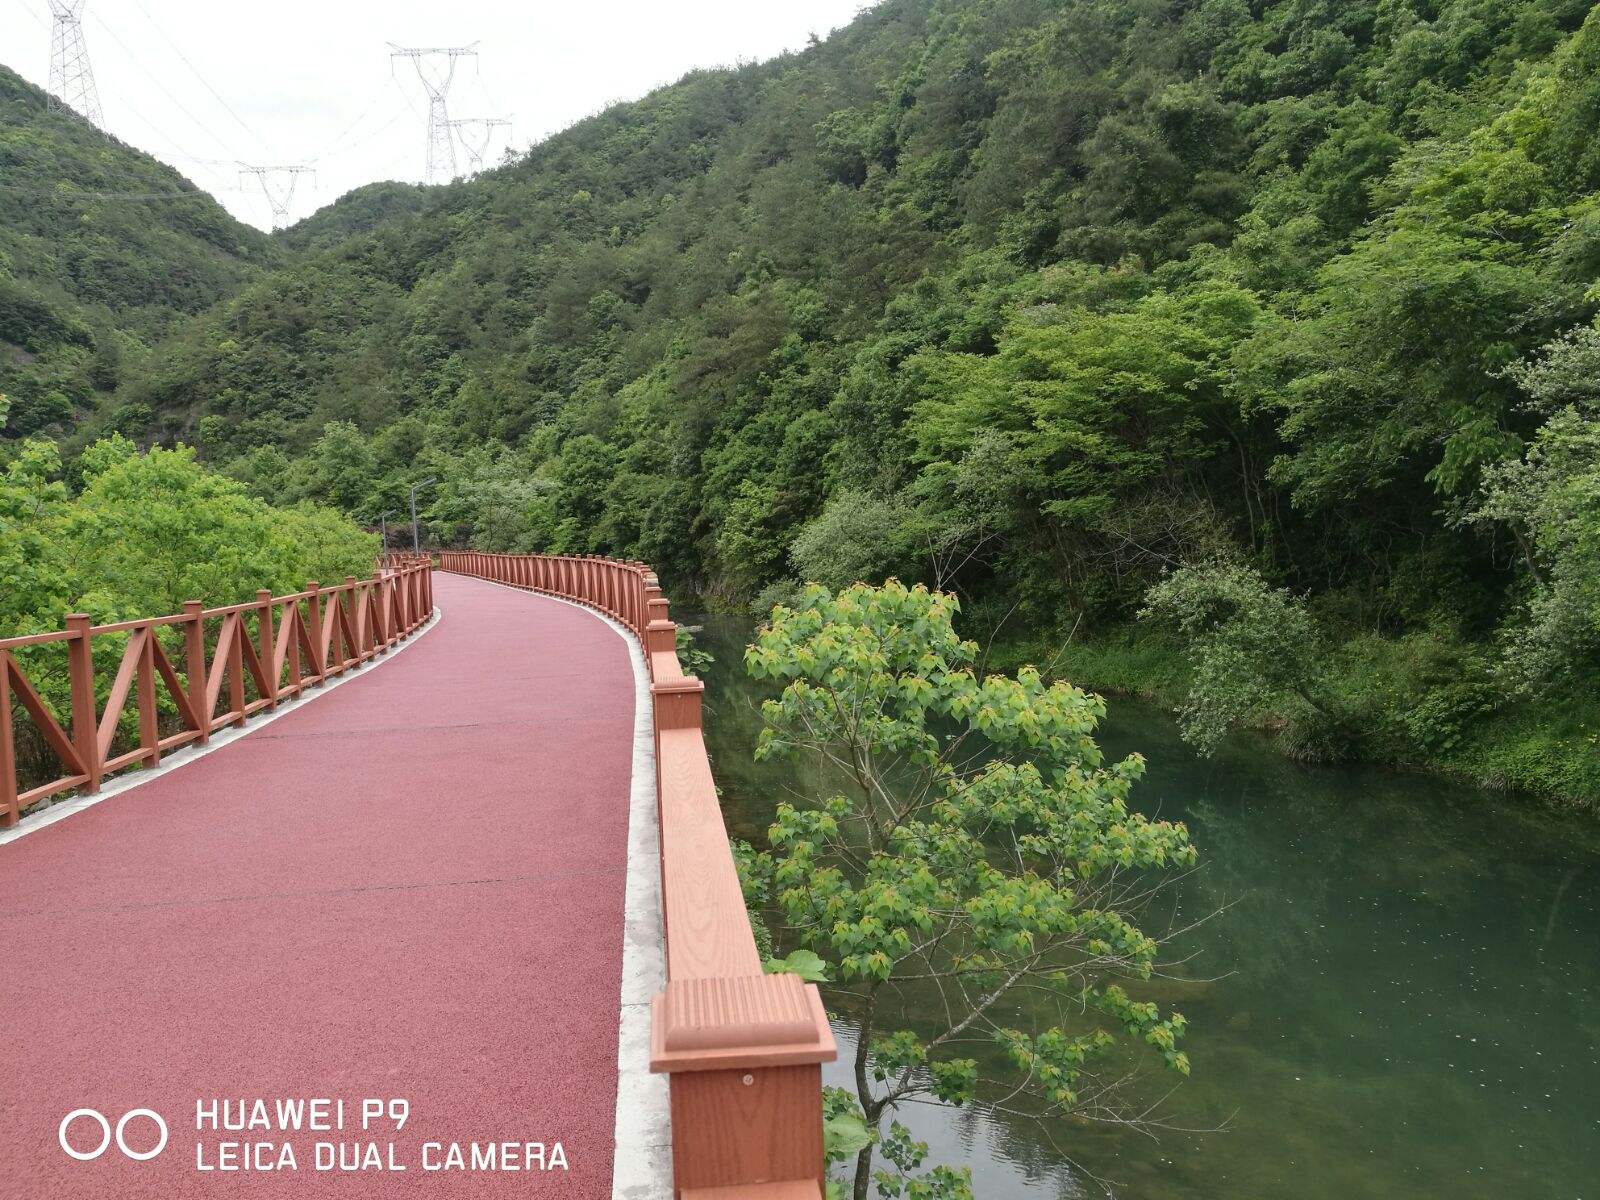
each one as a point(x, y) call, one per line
point(984, 852)
point(1252, 650)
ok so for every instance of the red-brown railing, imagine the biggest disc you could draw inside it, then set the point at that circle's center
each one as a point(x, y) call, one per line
point(742, 1048)
point(273, 646)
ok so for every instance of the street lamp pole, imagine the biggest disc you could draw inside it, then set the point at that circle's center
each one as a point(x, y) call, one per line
point(383, 528)
point(416, 541)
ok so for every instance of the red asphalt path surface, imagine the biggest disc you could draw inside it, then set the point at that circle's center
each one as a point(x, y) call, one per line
point(410, 887)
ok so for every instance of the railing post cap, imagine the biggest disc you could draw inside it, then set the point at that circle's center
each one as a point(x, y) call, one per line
point(680, 686)
point(744, 1022)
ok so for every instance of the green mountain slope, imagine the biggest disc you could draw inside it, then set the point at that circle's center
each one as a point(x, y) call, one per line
point(1041, 299)
point(103, 250)
point(356, 212)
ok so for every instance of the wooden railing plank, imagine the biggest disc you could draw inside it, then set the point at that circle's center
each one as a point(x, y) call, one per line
point(708, 930)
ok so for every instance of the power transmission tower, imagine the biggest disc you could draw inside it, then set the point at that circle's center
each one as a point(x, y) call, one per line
point(71, 76)
point(281, 199)
point(475, 134)
point(436, 78)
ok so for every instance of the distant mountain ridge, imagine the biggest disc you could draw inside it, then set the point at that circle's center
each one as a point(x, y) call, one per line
point(1043, 300)
point(103, 250)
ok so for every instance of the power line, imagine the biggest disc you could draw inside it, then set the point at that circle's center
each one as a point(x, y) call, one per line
point(377, 99)
point(34, 13)
point(58, 194)
point(182, 155)
point(384, 128)
point(195, 71)
point(178, 104)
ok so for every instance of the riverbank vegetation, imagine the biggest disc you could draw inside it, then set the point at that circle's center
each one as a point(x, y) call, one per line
point(1284, 310)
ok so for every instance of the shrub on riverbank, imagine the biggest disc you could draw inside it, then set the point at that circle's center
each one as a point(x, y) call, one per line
point(1415, 711)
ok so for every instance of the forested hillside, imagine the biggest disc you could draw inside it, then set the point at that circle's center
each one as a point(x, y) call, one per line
point(1282, 309)
point(103, 250)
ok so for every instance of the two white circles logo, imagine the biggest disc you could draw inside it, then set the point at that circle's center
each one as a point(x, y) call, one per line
point(99, 1119)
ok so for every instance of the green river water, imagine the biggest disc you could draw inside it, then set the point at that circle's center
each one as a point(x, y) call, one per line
point(1403, 995)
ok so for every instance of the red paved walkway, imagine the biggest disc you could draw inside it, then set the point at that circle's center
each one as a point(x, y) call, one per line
point(410, 887)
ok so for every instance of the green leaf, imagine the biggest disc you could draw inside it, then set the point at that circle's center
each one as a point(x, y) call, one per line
point(804, 963)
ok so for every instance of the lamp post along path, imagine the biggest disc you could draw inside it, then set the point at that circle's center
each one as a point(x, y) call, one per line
point(416, 540)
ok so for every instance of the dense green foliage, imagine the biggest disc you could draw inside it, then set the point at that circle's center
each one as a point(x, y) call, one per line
point(102, 251)
point(146, 531)
point(356, 212)
point(1038, 300)
point(982, 846)
point(139, 535)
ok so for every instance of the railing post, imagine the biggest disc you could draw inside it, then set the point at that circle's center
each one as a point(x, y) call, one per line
point(80, 673)
point(265, 647)
point(10, 810)
point(358, 651)
point(743, 1059)
point(149, 731)
point(194, 664)
point(291, 614)
point(677, 701)
point(314, 630)
point(661, 634)
point(236, 669)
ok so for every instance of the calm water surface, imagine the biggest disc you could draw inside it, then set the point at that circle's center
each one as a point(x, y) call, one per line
point(1404, 995)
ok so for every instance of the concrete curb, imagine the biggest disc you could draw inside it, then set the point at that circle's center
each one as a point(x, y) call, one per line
point(642, 1162)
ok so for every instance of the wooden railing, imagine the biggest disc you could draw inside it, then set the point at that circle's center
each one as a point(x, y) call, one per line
point(247, 657)
point(395, 559)
point(743, 1049)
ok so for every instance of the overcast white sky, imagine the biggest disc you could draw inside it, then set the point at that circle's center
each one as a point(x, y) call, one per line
point(203, 84)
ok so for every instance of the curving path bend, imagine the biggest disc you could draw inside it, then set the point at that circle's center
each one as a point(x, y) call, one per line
point(409, 889)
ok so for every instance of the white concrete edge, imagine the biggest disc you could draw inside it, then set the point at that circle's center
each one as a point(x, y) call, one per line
point(184, 755)
point(642, 1161)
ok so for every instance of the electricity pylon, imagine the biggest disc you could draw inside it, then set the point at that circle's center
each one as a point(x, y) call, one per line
point(441, 162)
point(278, 201)
point(476, 133)
point(71, 76)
